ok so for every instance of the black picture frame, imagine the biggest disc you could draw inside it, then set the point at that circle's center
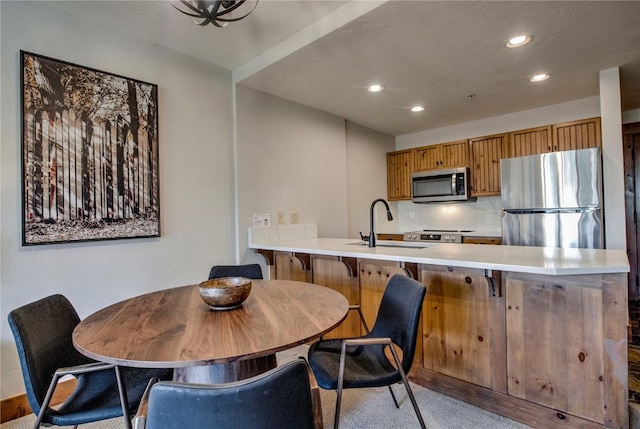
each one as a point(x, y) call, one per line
point(89, 154)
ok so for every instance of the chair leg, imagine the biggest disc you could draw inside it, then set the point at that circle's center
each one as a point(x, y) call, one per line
point(336, 419)
point(343, 356)
point(364, 322)
point(408, 387)
point(124, 401)
point(315, 400)
point(395, 401)
point(413, 400)
point(47, 399)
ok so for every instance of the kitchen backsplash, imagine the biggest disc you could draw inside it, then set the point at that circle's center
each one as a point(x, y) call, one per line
point(482, 215)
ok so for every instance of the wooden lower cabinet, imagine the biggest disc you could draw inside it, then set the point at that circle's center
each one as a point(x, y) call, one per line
point(566, 348)
point(390, 237)
point(292, 266)
point(482, 240)
point(340, 275)
point(463, 326)
point(567, 344)
point(374, 276)
point(548, 351)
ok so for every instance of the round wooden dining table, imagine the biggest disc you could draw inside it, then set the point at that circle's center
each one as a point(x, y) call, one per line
point(174, 328)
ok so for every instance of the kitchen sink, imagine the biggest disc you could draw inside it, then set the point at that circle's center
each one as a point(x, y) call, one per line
point(391, 244)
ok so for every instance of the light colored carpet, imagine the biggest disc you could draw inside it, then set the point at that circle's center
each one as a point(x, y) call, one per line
point(374, 408)
point(370, 408)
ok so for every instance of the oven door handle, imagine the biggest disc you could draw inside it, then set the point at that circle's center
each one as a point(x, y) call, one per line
point(454, 189)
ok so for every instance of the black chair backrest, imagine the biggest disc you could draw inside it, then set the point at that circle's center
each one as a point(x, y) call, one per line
point(279, 398)
point(399, 315)
point(250, 271)
point(43, 331)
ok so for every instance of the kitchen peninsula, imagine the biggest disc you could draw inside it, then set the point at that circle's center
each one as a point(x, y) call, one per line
point(535, 334)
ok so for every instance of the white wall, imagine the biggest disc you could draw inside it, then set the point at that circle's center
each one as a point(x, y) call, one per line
point(195, 175)
point(483, 215)
point(294, 158)
point(367, 179)
point(291, 158)
point(612, 160)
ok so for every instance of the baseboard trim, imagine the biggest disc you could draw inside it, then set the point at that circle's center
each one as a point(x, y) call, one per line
point(526, 412)
point(18, 406)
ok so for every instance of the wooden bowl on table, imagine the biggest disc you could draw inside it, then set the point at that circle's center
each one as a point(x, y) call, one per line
point(225, 293)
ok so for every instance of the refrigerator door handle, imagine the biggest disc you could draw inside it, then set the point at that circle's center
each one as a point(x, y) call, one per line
point(543, 211)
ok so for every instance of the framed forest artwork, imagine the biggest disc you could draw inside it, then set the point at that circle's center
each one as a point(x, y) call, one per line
point(89, 154)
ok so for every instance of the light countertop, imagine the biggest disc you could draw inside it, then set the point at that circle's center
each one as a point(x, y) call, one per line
point(534, 260)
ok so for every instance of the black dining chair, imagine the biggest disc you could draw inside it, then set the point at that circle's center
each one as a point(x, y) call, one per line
point(250, 271)
point(43, 333)
point(279, 398)
point(361, 362)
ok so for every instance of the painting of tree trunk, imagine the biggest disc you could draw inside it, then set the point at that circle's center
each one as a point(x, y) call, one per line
point(89, 154)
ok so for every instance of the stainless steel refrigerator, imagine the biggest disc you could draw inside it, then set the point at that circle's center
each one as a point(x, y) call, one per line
point(553, 200)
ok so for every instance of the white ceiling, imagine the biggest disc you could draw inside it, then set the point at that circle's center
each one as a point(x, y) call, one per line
point(447, 55)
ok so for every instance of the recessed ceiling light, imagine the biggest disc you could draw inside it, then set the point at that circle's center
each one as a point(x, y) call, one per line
point(417, 108)
point(375, 88)
point(518, 41)
point(539, 77)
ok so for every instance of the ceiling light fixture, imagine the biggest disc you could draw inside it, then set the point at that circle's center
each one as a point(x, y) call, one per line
point(375, 88)
point(539, 77)
point(518, 41)
point(417, 108)
point(214, 12)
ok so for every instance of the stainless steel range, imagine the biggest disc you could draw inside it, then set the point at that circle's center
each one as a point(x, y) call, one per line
point(435, 236)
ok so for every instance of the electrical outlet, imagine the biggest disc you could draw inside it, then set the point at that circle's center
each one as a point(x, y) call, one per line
point(280, 218)
point(412, 214)
point(294, 217)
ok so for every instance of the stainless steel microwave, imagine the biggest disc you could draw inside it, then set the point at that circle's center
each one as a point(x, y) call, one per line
point(441, 185)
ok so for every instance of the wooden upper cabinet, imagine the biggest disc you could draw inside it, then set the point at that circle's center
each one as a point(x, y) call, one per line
point(486, 153)
point(532, 141)
point(483, 154)
point(399, 170)
point(428, 157)
point(455, 154)
point(445, 155)
point(574, 135)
